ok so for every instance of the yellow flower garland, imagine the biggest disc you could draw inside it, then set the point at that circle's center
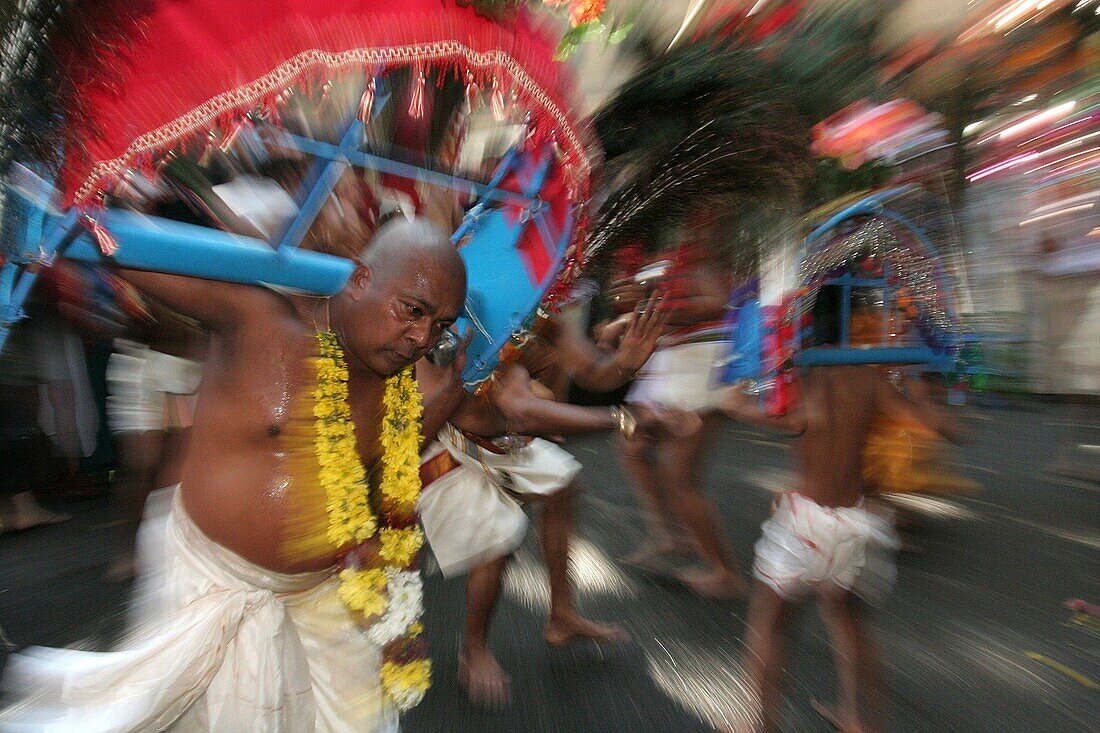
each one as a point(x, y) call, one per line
point(406, 671)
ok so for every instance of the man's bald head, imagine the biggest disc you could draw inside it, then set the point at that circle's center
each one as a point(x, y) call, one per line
point(410, 287)
point(403, 243)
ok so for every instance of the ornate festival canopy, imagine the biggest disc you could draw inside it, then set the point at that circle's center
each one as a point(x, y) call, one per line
point(188, 69)
point(162, 89)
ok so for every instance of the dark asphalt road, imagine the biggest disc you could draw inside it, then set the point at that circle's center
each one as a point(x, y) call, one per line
point(974, 638)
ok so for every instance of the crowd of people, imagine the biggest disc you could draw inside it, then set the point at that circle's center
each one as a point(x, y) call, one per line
point(234, 631)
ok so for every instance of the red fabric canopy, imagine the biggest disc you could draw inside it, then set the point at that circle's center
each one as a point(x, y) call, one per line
point(191, 65)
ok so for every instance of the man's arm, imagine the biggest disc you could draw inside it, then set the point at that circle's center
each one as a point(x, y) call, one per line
point(743, 407)
point(525, 413)
point(219, 306)
point(442, 390)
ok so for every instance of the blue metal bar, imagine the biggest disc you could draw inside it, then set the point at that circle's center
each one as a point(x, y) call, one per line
point(505, 166)
point(870, 205)
point(405, 170)
point(549, 241)
point(825, 356)
point(472, 215)
point(845, 314)
point(325, 182)
point(538, 179)
point(64, 230)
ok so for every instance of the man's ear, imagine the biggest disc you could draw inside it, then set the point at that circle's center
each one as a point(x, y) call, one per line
point(360, 280)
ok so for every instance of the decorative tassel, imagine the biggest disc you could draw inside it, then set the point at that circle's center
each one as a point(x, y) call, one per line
point(107, 244)
point(559, 154)
point(497, 102)
point(473, 92)
point(416, 104)
point(366, 104)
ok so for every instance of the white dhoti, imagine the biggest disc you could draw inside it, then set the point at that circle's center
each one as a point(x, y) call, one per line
point(681, 377)
point(473, 512)
point(221, 645)
point(804, 545)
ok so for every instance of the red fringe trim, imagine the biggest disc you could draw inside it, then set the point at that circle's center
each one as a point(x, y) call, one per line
point(144, 112)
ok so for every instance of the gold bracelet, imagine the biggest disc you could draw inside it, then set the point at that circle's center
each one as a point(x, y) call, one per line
point(626, 420)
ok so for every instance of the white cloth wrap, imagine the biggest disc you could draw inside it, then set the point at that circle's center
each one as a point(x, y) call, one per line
point(473, 514)
point(681, 377)
point(220, 644)
point(140, 383)
point(805, 544)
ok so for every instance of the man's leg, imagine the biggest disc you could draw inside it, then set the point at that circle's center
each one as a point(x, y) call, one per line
point(659, 541)
point(859, 709)
point(139, 454)
point(680, 464)
point(565, 623)
point(765, 650)
point(478, 670)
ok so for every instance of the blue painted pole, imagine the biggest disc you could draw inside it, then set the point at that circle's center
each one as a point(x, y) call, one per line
point(470, 220)
point(65, 229)
point(825, 356)
point(162, 245)
point(405, 170)
point(325, 182)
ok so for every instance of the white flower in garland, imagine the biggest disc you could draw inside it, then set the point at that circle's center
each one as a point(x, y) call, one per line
point(406, 698)
point(406, 604)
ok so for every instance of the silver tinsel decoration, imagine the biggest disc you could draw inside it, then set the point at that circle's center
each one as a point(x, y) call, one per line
point(915, 270)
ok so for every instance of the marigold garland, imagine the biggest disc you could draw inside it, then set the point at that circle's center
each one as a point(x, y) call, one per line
point(385, 588)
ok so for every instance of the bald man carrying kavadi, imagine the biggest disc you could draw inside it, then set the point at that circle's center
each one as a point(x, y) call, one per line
point(284, 594)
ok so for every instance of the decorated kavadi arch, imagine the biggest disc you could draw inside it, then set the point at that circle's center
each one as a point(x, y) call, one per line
point(387, 90)
point(877, 254)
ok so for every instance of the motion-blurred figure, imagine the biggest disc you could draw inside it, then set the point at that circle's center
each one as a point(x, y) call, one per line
point(151, 387)
point(823, 539)
point(484, 465)
point(24, 448)
point(667, 472)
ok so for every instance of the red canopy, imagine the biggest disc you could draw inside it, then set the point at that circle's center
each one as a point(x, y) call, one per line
point(192, 65)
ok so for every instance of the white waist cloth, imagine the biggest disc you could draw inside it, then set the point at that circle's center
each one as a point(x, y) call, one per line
point(805, 544)
point(473, 513)
point(681, 377)
point(149, 390)
point(220, 644)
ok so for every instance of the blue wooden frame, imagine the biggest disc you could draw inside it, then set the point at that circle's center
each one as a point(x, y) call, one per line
point(153, 243)
point(876, 205)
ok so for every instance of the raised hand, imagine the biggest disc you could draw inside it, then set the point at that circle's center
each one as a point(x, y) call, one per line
point(640, 339)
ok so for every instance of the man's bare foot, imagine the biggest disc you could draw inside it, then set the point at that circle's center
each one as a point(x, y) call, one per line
point(29, 513)
point(718, 585)
point(483, 679)
point(562, 629)
point(841, 721)
point(648, 557)
point(653, 556)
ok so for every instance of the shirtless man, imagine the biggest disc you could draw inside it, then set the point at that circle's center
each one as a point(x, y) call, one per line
point(246, 637)
point(668, 472)
point(484, 473)
point(821, 538)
